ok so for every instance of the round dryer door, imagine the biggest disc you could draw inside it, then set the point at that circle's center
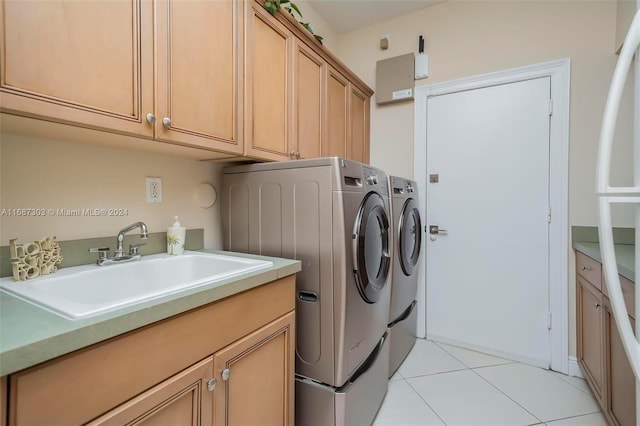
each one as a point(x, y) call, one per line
point(410, 236)
point(371, 248)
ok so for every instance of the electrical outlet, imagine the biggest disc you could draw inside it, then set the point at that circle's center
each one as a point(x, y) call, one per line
point(154, 190)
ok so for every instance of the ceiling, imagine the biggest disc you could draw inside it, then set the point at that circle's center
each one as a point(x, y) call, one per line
point(350, 15)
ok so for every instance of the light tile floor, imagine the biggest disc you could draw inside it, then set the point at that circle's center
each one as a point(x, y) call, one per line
point(444, 385)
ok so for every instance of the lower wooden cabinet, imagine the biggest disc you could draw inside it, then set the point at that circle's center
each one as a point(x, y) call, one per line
point(3, 401)
point(250, 382)
point(590, 335)
point(601, 354)
point(229, 362)
point(621, 385)
point(181, 400)
point(257, 372)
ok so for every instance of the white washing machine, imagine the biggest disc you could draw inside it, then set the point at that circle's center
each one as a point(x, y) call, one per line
point(407, 239)
point(333, 216)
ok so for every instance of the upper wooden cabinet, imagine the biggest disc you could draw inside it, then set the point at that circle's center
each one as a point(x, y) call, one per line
point(347, 119)
point(359, 113)
point(87, 63)
point(309, 106)
point(199, 68)
point(268, 104)
point(301, 102)
point(224, 77)
point(335, 144)
point(92, 64)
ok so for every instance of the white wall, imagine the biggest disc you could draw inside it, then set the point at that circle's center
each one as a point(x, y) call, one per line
point(52, 174)
point(467, 38)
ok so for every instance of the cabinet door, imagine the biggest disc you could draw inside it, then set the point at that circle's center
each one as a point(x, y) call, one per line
point(199, 86)
point(335, 144)
point(86, 63)
point(257, 372)
point(268, 103)
point(308, 101)
point(3, 401)
point(590, 336)
point(621, 387)
point(183, 399)
point(358, 143)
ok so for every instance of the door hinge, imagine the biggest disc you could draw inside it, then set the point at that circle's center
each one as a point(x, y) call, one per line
point(550, 106)
point(549, 215)
point(549, 321)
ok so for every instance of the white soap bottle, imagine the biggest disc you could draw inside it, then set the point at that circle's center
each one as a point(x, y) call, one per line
point(176, 238)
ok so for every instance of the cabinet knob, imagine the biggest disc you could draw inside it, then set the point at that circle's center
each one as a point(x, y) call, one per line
point(211, 384)
point(166, 122)
point(586, 268)
point(151, 118)
point(597, 305)
point(225, 374)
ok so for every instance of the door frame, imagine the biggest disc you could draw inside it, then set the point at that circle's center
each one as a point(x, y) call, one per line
point(559, 71)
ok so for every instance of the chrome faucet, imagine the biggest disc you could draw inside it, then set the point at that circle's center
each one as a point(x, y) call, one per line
point(104, 255)
point(143, 234)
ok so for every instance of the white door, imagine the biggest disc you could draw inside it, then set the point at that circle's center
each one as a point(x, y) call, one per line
point(487, 271)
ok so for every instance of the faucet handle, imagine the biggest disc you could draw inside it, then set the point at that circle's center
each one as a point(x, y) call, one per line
point(134, 249)
point(103, 252)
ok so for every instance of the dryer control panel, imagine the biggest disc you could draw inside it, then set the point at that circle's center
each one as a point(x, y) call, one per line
point(374, 177)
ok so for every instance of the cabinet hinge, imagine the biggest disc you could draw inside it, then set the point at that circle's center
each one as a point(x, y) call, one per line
point(550, 106)
point(549, 321)
point(549, 215)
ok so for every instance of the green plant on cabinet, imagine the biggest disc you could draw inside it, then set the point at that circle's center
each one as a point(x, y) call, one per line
point(274, 6)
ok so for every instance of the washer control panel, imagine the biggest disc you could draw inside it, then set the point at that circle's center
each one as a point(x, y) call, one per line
point(373, 177)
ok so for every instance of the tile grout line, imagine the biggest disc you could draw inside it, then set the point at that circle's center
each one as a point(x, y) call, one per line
point(507, 361)
point(559, 375)
point(467, 367)
point(425, 401)
point(502, 392)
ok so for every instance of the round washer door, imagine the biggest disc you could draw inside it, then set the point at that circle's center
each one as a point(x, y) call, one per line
point(409, 236)
point(371, 248)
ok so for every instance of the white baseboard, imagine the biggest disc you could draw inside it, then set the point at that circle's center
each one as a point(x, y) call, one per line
point(574, 368)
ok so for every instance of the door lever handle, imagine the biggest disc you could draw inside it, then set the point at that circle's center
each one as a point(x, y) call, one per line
point(434, 231)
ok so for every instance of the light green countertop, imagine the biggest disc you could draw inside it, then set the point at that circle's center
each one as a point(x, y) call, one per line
point(625, 256)
point(30, 335)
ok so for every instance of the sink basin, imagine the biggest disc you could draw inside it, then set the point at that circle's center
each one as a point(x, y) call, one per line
point(89, 290)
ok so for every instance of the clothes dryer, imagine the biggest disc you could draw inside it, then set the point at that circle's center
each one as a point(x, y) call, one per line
point(407, 240)
point(332, 215)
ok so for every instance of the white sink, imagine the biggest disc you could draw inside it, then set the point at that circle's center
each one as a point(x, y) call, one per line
point(89, 290)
